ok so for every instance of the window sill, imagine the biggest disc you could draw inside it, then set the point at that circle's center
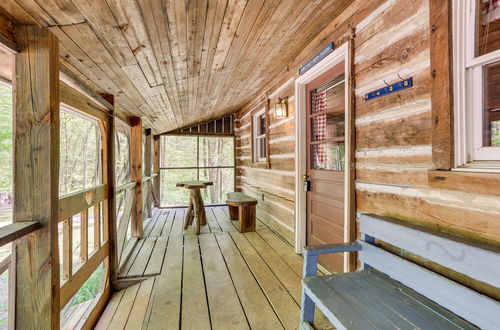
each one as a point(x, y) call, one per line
point(479, 167)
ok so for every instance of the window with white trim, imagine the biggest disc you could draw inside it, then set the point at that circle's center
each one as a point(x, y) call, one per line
point(476, 53)
point(259, 136)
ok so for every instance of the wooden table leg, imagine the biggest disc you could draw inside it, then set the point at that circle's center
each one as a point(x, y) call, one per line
point(203, 213)
point(190, 213)
point(197, 210)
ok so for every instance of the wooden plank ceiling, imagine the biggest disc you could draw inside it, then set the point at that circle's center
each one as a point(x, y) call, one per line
point(177, 62)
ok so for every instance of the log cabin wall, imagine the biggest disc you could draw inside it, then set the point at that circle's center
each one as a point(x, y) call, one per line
point(394, 149)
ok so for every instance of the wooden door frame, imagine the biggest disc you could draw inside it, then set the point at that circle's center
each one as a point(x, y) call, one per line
point(342, 53)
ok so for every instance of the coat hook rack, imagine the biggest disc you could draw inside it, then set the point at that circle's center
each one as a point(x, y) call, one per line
point(389, 89)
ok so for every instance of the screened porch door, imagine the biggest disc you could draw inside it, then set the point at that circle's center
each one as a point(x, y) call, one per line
point(326, 163)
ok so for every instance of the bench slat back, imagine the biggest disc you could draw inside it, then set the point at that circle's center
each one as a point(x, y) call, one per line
point(477, 263)
point(480, 264)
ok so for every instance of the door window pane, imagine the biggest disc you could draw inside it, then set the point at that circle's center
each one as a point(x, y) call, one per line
point(491, 108)
point(488, 26)
point(327, 127)
point(328, 156)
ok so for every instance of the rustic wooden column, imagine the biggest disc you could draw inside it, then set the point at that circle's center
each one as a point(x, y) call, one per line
point(156, 168)
point(36, 178)
point(109, 179)
point(136, 175)
point(147, 169)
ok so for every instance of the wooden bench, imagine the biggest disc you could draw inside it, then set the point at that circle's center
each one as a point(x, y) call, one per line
point(242, 207)
point(391, 292)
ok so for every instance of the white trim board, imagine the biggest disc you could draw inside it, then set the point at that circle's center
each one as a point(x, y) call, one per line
point(340, 54)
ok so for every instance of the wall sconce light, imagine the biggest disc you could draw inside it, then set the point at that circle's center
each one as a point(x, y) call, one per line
point(281, 108)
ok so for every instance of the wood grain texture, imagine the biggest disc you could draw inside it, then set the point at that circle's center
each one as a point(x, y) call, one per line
point(36, 176)
point(174, 64)
point(442, 84)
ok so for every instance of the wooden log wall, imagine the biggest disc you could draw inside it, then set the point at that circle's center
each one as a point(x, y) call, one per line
point(394, 134)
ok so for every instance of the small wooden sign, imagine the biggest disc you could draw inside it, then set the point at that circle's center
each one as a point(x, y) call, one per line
point(399, 86)
point(313, 61)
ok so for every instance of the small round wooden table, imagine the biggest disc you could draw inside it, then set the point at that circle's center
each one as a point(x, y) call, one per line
point(196, 209)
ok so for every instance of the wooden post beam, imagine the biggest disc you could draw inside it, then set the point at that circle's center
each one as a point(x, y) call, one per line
point(109, 226)
point(136, 175)
point(36, 178)
point(156, 168)
point(148, 157)
point(441, 84)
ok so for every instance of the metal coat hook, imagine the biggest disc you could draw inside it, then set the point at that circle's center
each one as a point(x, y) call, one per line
point(386, 83)
point(400, 77)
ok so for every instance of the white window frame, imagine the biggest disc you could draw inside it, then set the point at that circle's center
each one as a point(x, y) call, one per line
point(258, 137)
point(468, 92)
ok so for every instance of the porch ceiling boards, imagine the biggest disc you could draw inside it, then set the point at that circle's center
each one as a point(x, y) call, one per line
point(175, 63)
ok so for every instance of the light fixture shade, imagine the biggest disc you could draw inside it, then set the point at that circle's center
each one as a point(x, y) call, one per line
point(281, 108)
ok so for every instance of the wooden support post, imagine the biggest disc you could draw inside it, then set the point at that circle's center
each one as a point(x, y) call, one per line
point(109, 226)
point(156, 169)
point(136, 176)
point(148, 157)
point(36, 178)
point(97, 226)
point(84, 236)
point(67, 249)
point(441, 84)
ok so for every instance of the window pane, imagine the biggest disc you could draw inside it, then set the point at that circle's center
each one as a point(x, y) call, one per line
point(170, 194)
point(328, 156)
point(491, 123)
point(80, 146)
point(327, 126)
point(223, 179)
point(216, 151)
point(488, 27)
point(262, 147)
point(262, 124)
point(178, 151)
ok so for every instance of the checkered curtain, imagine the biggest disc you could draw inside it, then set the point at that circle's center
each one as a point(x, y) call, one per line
point(491, 11)
point(320, 126)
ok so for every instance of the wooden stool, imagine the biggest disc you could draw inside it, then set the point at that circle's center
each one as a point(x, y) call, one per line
point(196, 209)
point(242, 208)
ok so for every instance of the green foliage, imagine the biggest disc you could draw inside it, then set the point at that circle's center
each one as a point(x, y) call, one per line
point(91, 288)
point(80, 145)
point(495, 133)
point(5, 139)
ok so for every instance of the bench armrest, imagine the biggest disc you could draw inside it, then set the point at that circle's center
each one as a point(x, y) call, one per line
point(312, 252)
point(316, 250)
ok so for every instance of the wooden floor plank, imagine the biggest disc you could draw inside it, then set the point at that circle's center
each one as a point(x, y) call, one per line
point(141, 302)
point(160, 222)
point(166, 309)
point(223, 220)
point(130, 261)
point(142, 259)
point(157, 255)
point(178, 224)
point(289, 279)
point(212, 221)
point(225, 308)
point(123, 311)
point(194, 303)
point(258, 311)
point(284, 250)
point(110, 310)
point(169, 221)
point(283, 304)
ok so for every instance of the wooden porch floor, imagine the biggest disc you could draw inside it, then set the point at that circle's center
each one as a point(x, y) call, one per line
point(221, 279)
